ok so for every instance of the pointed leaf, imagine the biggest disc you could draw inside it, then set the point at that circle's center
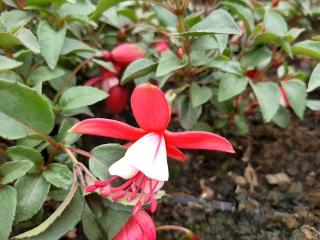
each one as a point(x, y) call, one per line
point(297, 96)
point(168, 63)
point(21, 153)
point(32, 192)
point(10, 171)
point(8, 63)
point(8, 202)
point(80, 96)
point(314, 81)
point(51, 43)
point(268, 95)
point(58, 175)
point(308, 47)
point(199, 95)
point(103, 157)
point(138, 68)
point(218, 21)
point(230, 86)
point(30, 110)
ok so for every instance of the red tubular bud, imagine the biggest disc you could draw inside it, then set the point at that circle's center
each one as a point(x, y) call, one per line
point(117, 100)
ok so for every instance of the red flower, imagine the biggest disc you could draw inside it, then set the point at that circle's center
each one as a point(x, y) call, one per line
point(161, 45)
point(140, 226)
point(117, 100)
point(124, 54)
point(145, 162)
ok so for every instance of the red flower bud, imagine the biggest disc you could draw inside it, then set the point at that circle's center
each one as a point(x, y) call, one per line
point(109, 83)
point(161, 45)
point(117, 100)
point(180, 53)
point(126, 53)
point(275, 3)
point(264, 29)
point(139, 226)
point(251, 73)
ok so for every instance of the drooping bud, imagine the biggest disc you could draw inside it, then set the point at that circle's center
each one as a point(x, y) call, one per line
point(117, 100)
point(180, 53)
point(126, 53)
point(161, 45)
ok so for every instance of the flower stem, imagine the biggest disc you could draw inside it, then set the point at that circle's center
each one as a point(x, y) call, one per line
point(69, 77)
point(186, 231)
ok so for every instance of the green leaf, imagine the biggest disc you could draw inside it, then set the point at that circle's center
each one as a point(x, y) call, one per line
point(103, 157)
point(245, 13)
point(43, 74)
point(10, 76)
point(27, 38)
point(61, 221)
point(8, 63)
point(80, 96)
point(297, 96)
point(58, 175)
point(199, 95)
point(138, 68)
point(64, 223)
point(8, 41)
point(275, 23)
point(102, 6)
point(112, 221)
point(8, 202)
point(188, 115)
point(308, 47)
point(241, 125)
point(230, 86)
point(165, 17)
point(32, 192)
point(314, 81)
point(21, 153)
point(268, 37)
point(314, 105)
point(30, 111)
point(15, 19)
point(10, 171)
point(282, 117)
point(218, 21)
point(258, 57)
point(71, 45)
point(51, 43)
point(64, 135)
point(11, 129)
point(268, 95)
point(91, 226)
point(168, 63)
point(223, 64)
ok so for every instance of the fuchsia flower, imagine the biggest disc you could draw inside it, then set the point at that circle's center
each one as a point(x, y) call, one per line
point(139, 226)
point(161, 45)
point(124, 54)
point(145, 162)
point(117, 100)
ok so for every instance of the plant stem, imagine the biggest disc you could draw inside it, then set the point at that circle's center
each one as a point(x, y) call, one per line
point(69, 77)
point(186, 231)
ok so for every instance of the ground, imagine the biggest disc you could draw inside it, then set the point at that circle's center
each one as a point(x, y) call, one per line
point(268, 190)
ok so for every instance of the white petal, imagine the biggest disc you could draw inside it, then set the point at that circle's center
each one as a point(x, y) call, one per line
point(123, 169)
point(149, 155)
point(155, 186)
